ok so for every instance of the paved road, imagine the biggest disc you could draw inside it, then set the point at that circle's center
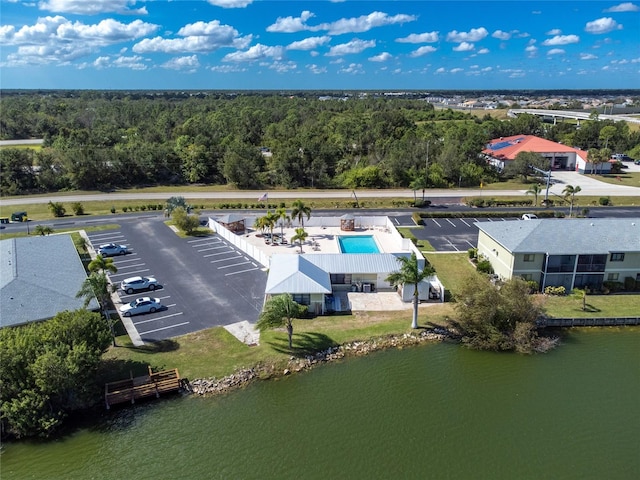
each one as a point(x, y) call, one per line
point(589, 185)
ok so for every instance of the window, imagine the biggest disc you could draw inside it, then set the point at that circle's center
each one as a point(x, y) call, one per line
point(302, 298)
point(560, 263)
point(617, 257)
point(613, 277)
point(341, 278)
point(529, 257)
point(591, 263)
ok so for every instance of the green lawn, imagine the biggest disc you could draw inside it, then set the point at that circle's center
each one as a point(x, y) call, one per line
point(616, 305)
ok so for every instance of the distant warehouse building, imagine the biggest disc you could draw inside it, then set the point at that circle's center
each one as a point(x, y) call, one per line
point(501, 151)
point(39, 277)
point(573, 253)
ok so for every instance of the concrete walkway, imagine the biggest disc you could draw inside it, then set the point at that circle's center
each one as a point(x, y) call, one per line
point(245, 332)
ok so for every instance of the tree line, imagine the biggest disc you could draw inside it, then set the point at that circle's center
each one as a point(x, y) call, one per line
point(106, 140)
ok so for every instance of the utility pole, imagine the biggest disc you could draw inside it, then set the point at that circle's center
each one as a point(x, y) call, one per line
point(547, 174)
point(426, 169)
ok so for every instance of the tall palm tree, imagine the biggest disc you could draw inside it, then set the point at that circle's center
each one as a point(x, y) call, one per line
point(570, 191)
point(260, 224)
point(282, 216)
point(418, 183)
point(410, 273)
point(270, 220)
point(535, 190)
point(97, 286)
point(280, 310)
point(299, 210)
point(102, 264)
point(300, 236)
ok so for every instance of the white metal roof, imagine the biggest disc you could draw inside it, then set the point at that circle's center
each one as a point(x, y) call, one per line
point(296, 274)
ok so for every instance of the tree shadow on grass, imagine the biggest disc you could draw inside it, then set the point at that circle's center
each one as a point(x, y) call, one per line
point(590, 308)
point(167, 345)
point(304, 344)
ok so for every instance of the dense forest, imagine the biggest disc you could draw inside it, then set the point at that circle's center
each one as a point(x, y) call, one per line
point(105, 140)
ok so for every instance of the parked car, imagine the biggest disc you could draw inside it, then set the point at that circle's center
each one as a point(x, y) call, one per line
point(110, 249)
point(141, 305)
point(621, 157)
point(132, 284)
point(637, 162)
point(529, 216)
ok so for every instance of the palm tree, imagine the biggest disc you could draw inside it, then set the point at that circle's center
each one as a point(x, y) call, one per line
point(280, 310)
point(570, 191)
point(97, 286)
point(410, 273)
point(282, 216)
point(260, 224)
point(299, 210)
point(418, 183)
point(270, 220)
point(102, 264)
point(535, 190)
point(301, 235)
point(43, 230)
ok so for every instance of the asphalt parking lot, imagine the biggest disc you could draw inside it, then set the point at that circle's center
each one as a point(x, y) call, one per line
point(449, 234)
point(205, 282)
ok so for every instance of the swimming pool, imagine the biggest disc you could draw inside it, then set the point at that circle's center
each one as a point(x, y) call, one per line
point(358, 244)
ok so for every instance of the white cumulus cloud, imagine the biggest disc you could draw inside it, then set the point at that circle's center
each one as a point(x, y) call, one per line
point(189, 63)
point(473, 35)
point(483, 51)
point(623, 7)
point(197, 37)
point(291, 24)
point(464, 47)
point(500, 35)
point(561, 40)
point(230, 3)
point(364, 23)
point(422, 51)
point(587, 56)
point(352, 69)
point(309, 43)
point(602, 25)
point(426, 37)
point(554, 31)
point(382, 57)
point(555, 51)
point(91, 7)
point(257, 52)
point(354, 46)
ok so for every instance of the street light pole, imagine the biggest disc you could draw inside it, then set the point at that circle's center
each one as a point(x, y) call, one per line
point(547, 174)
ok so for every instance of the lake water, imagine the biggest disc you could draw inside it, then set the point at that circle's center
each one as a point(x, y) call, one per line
point(437, 411)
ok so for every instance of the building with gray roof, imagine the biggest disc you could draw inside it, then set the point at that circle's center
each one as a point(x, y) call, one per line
point(39, 277)
point(573, 253)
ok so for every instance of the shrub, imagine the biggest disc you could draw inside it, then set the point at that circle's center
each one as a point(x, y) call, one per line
point(484, 266)
point(533, 286)
point(143, 208)
point(613, 287)
point(559, 215)
point(630, 284)
point(113, 209)
point(473, 253)
point(57, 209)
point(551, 290)
point(417, 218)
point(77, 208)
point(604, 201)
point(125, 209)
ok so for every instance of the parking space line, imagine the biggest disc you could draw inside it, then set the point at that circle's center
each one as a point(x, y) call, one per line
point(158, 318)
point(207, 239)
point(95, 235)
point(120, 267)
point(225, 259)
point(234, 265)
point(462, 220)
point(128, 260)
point(219, 253)
point(241, 271)
point(434, 221)
point(211, 248)
point(471, 244)
point(130, 273)
point(163, 328)
point(456, 248)
point(448, 220)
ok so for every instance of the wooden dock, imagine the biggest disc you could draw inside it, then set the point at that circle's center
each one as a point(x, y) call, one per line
point(588, 322)
point(135, 388)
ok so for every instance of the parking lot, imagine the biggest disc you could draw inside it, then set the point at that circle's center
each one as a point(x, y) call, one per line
point(450, 234)
point(204, 282)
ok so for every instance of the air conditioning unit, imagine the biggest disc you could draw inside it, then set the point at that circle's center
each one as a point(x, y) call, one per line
point(366, 287)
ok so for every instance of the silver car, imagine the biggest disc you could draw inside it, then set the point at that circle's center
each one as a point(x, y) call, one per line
point(110, 249)
point(132, 284)
point(141, 305)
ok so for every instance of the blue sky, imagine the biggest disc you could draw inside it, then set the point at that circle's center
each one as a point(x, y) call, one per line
point(325, 45)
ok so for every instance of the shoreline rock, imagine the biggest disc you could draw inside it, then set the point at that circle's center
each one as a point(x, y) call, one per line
point(243, 377)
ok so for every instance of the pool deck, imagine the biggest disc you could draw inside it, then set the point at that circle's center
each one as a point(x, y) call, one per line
point(322, 240)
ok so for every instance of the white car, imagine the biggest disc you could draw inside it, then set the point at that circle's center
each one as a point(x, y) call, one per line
point(110, 249)
point(529, 216)
point(141, 305)
point(132, 284)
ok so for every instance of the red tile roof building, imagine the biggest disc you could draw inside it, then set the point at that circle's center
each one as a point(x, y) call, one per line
point(501, 151)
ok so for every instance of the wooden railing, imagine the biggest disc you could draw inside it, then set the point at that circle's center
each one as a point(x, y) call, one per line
point(134, 388)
